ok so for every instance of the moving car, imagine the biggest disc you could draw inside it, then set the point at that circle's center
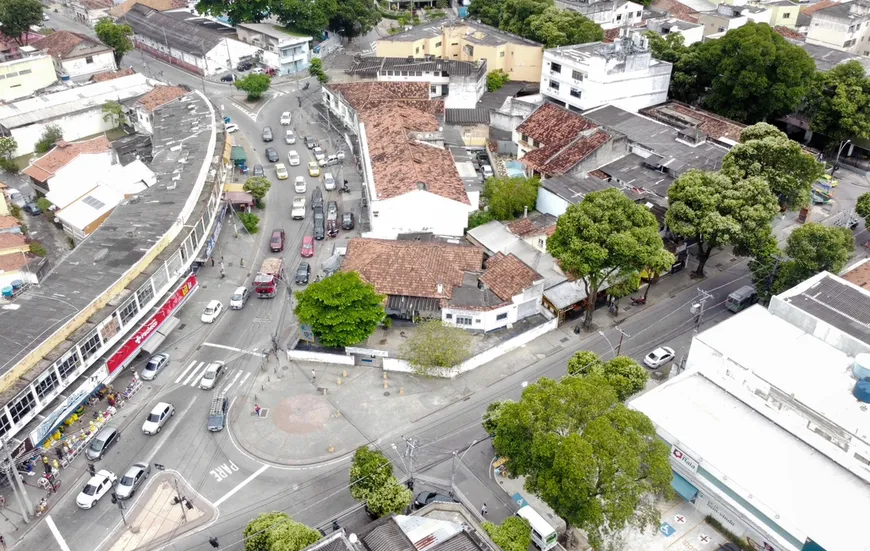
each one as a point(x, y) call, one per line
point(267, 134)
point(330, 160)
point(231, 77)
point(258, 170)
point(332, 210)
point(307, 250)
point(293, 158)
point(347, 221)
point(244, 65)
point(281, 171)
point(328, 181)
point(132, 479)
point(317, 199)
point(303, 272)
point(158, 417)
point(240, 298)
point(232, 127)
point(298, 210)
point(276, 242)
point(299, 184)
point(319, 224)
point(272, 155)
point(289, 137)
point(319, 154)
point(217, 414)
point(154, 366)
point(313, 169)
point(425, 498)
point(211, 375)
point(285, 118)
point(212, 311)
point(105, 439)
point(99, 485)
point(659, 357)
point(310, 142)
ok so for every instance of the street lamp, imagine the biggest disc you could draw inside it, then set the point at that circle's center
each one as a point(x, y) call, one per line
point(837, 160)
point(613, 350)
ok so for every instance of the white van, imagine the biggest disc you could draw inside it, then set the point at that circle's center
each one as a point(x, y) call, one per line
point(543, 535)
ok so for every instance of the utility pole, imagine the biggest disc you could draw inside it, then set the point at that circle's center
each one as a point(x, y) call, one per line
point(621, 335)
point(698, 307)
point(411, 446)
point(121, 506)
point(16, 484)
point(457, 463)
point(180, 499)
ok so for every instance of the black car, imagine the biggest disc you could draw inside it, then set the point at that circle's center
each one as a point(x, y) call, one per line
point(32, 209)
point(310, 142)
point(425, 498)
point(267, 134)
point(317, 199)
point(258, 170)
point(244, 66)
point(228, 78)
point(347, 221)
point(302, 273)
point(271, 155)
point(319, 224)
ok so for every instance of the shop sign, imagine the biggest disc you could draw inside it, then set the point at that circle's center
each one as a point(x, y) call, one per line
point(132, 346)
point(684, 458)
point(72, 402)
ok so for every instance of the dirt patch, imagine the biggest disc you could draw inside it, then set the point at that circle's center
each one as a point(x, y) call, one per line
point(301, 414)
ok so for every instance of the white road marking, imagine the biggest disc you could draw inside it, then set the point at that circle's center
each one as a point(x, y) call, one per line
point(167, 433)
point(241, 485)
point(244, 379)
point(225, 347)
point(56, 533)
point(180, 377)
point(236, 378)
point(196, 373)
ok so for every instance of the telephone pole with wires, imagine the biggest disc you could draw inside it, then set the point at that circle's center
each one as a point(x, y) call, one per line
point(622, 334)
point(698, 307)
point(411, 446)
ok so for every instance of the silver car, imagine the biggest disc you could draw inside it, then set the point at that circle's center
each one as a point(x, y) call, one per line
point(132, 479)
point(155, 365)
point(212, 373)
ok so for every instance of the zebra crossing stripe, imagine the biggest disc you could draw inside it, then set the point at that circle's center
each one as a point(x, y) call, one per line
point(183, 373)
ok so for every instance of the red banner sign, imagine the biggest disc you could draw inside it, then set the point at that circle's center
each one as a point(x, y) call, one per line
point(132, 346)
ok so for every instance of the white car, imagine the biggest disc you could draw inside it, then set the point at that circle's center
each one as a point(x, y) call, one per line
point(486, 170)
point(154, 366)
point(299, 184)
point(232, 127)
point(212, 311)
point(328, 181)
point(212, 373)
point(285, 118)
point(99, 485)
point(158, 417)
point(289, 137)
point(319, 154)
point(293, 158)
point(659, 357)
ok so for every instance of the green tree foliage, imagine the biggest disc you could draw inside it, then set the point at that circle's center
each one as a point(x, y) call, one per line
point(658, 264)
point(434, 346)
point(508, 198)
point(670, 48)
point(594, 461)
point(43, 204)
point(37, 249)
point(276, 531)
point(716, 210)
point(477, 218)
point(584, 362)
point(862, 207)
point(496, 79)
point(624, 375)
point(113, 112)
point(813, 248)
point(604, 236)
point(372, 481)
point(115, 36)
point(7, 146)
point(342, 309)
point(840, 103)
point(486, 11)
point(750, 74)
point(249, 11)
point(388, 499)
point(354, 18)
point(305, 16)
point(316, 70)
point(554, 28)
point(17, 16)
point(767, 152)
point(514, 534)
point(492, 415)
point(51, 134)
point(255, 85)
point(258, 187)
point(250, 221)
point(516, 15)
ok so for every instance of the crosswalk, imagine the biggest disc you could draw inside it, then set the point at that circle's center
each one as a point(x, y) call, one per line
point(193, 373)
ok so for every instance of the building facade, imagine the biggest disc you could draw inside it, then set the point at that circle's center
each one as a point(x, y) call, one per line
point(609, 14)
point(842, 26)
point(287, 54)
point(88, 12)
point(77, 55)
point(691, 32)
point(22, 77)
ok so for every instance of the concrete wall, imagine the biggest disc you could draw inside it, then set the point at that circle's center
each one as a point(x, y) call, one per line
point(715, 23)
point(784, 16)
point(322, 357)
point(38, 72)
point(511, 114)
point(75, 127)
point(80, 66)
point(826, 30)
point(615, 148)
point(417, 211)
point(550, 203)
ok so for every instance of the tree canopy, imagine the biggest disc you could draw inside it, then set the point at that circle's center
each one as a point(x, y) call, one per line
point(813, 248)
point(716, 210)
point(17, 16)
point(514, 534)
point(255, 85)
point(115, 36)
point(670, 47)
point(342, 309)
point(840, 102)
point(372, 481)
point(258, 187)
point(624, 375)
point(767, 152)
point(353, 18)
point(249, 11)
point(537, 20)
point(51, 134)
point(305, 16)
point(435, 345)
point(603, 239)
point(594, 461)
point(862, 207)
point(276, 531)
point(508, 198)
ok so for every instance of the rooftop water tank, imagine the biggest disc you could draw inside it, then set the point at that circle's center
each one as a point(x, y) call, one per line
point(7, 291)
point(862, 391)
point(861, 369)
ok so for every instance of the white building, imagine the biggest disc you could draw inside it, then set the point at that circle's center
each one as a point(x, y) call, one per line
point(286, 53)
point(610, 14)
point(691, 32)
point(141, 113)
point(728, 17)
point(842, 26)
point(89, 12)
point(624, 74)
point(768, 427)
point(22, 77)
point(77, 55)
point(77, 111)
point(69, 165)
point(460, 84)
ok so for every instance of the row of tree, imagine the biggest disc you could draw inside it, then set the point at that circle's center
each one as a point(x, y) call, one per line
point(537, 20)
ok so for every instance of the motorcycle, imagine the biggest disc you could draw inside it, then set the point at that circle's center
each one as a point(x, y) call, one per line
point(344, 189)
point(639, 301)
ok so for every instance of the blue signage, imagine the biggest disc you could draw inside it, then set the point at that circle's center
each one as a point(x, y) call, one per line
point(519, 499)
point(667, 530)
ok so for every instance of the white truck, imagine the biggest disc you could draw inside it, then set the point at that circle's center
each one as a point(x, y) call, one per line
point(298, 212)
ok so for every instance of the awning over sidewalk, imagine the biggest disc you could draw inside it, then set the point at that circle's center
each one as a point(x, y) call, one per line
point(684, 488)
point(239, 198)
point(155, 340)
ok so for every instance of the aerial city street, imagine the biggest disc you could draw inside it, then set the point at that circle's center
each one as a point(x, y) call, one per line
point(485, 275)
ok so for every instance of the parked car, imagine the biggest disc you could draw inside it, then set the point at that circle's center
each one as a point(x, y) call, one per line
point(281, 171)
point(319, 154)
point(244, 65)
point(231, 77)
point(155, 365)
point(212, 311)
point(332, 210)
point(211, 375)
point(217, 414)
point(425, 498)
point(347, 221)
point(486, 170)
point(659, 357)
point(332, 227)
point(240, 298)
point(303, 272)
point(105, 439)
point(319, 224)
point(285, 118)
point(132, 480)
point(158, 417)
point(330, 160)
point(299, 184)
point(340, 155)
point(317, 199)
point(276, 242)
point(313, 169)
point(99, 485)
point(310, 142)
point(231, 127)
point(289, 137)
point(307, 250)
point(267, 134)
point(328, 181)
point(258, 170)
point(32, 209)
point(272, 155)
point(293, 158)
point(258, 71)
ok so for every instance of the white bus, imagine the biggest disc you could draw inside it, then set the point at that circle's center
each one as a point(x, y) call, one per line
point(543, 535)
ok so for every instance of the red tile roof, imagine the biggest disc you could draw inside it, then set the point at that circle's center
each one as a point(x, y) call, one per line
point(45, 167)
point(369, 95)
point(412, 268)
point(677, 10)
point(96, 4)
point(11, 240)
point(112, 75)
point(809, 10)
point(562, 139)
point(860, 276)
point(159, 5)
point(789, 33)
point(713, 125)
point(14, 262)
point(507, 276)
point(7, 222)
point(61, 43)
point(160, 95)
point(526, 227)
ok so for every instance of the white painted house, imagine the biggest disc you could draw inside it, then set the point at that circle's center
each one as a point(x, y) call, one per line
point(61, 171)
point(286, 53)
point(691, 32)
point(609, 14)
point(77, 55)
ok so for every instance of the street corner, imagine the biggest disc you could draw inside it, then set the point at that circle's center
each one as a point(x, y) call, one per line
point(168, 508)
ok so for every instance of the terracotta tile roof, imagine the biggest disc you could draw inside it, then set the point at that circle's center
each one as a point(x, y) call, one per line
point(160, 95)
point(11, 240)
point(677, 10)
point(860, 276)
point(7, 222)
point(528, 226)
point(159, 5)
point(412, 268)
point(46, 166)
point(61, 43)
point(562, 139)
point(369, 95)
point(14, 262)
point(709, 123)
point(112, 75)
point(789, 33)
point(507, 276)
point(809, 10)
point(96, 4)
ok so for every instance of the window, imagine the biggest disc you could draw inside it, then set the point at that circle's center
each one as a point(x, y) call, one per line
point(375, 214)
point(46, 385)
point(22, 406)
point(554, 85)
point(619, 17)
point(501, 317)
point(145, 294)
point(418, 73)
point(454, 43)
point(463, 321)
point(5, 425)
point(91, 345)
point(438, 44)
point(501, 54)
point(432, 90)
point(577, 75)
point(69, 365)
point(575, 93)
point(638, 14)
point(89, 59)
point(541, 242)
point(417, 50)
point(24, 72)
point(448, 316)
point(787, 15)
point(858, 456)
point(469, 50)
point(129, 310)
point(555, 68)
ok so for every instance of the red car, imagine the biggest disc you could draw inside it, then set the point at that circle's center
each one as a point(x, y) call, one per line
point(307, 250)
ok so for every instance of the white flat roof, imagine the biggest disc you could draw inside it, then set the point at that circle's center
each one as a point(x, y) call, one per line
point(91, 206)
point(780, 472)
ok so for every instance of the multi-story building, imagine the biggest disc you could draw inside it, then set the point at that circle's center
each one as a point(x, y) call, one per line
point(609, 14)
point(623, 73)
point(692, 32)
point(728, 17)
point(77, 55)
point(468, 41)
point(288, 54)
point(842, 26)
point(22, 77)
point(89, 12)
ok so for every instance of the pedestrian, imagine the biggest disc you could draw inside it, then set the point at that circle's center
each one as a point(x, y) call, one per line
point(483, 510)
point(313, 376)
point(3, 542)
point(212, 262)
point(257, 409)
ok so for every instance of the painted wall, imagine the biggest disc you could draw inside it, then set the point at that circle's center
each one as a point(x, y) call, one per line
point(98, 64)
point(75, 127)
point(417, 211)
point(839, 34)
point(550, 203)
point(23, 77)
point(322, 357)
point(784, 16)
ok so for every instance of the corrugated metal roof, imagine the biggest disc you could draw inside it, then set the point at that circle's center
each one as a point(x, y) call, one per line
point(195, 37)
point(478, 115)
point(373, 65)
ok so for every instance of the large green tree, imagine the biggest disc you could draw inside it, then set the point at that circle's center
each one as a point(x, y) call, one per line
point(554, 27)
point(354, 18)
point(862, 207)
point(813, 248)
point(372, 481)
point(276, 531)
point(624, 375)
point(258, 187)
point(435, 346)
point(603, 239)
point(255, 85)
point(670, 47)
point(17, 16)
point(305, 16)
point(248, 11)
point(51, 134)
point(508, 198)
point(767, 152)
point(516, 15)
point(486, 11)
point(595, 462)
point(514, 534)
point(115, 36)
point(715, 210)
point(840, 103)
point(342, 309)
